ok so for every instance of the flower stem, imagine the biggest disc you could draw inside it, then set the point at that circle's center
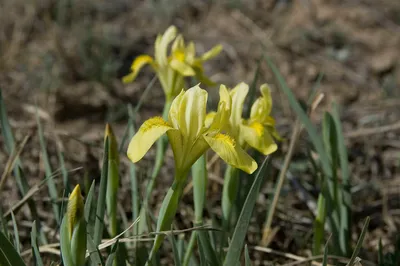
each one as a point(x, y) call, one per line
point(168, 211)
point(229, 193)
point(199, 175)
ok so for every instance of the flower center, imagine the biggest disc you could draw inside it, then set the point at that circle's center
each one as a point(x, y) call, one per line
point(226, 138)
point(157, 121)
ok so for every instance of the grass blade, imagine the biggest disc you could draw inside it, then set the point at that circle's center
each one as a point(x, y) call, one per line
point(8, 255)
point(210, 254)
point(50, 181)
point(16, 234)
point(132, 171)
point(359, 242)
point(239, 234)
point(20, 179)
point(101, 200)
point(247, 256)
point(90, 210)
point(111, 258)
point(175, 251)
point(311, 129)
point(112, 181)
point(35, 249)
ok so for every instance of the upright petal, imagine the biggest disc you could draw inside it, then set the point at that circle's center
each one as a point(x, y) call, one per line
point(258, 137)
point(162, 43)
point(225, 146)
point(137, 64)
point(147, 134)
point(192, 112)
point(238, 95)
point(266, 94)
point(221, 118)
point(213, 52)
point(173, 115)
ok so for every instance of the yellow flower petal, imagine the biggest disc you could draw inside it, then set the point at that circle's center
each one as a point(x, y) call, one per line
point(221, 118)
point(183, 68)
point(226, 147)
point(266, 93)
point(162, 43)
point(74, 208)
point(147, 134)
point(213, 52)
point(178, 44)
point(238, 95)
point(258, 137)
point(137, 64)
point(209, 119)
point(188, 112)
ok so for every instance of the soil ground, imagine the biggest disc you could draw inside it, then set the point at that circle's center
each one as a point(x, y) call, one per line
point(67, 58)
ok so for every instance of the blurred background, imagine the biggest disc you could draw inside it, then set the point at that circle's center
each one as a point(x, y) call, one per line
point(67, 58)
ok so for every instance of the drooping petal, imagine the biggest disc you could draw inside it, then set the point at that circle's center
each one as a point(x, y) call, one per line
point(213, 52)
point(147, 134)
point(226, 147)
point(137, 64)
point(162, 45)
point(183, 68)
point(258, 137)
point(238, 95)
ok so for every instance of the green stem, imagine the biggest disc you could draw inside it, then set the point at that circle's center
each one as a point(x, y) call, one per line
point(229, 193)
point(199, 175)
point(168, 210)
point(189, 250)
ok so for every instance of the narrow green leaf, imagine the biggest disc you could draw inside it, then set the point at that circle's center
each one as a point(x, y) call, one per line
point(325, 258)
point(210, 254)
point(295, 105)
point(199, 177)
point(90, 210)
point(112, 182)
point(319, 225)
point(3, 223)
point(101, 199)
point(252, 90)
point(132, 172)
point(239, 234)
point(64, 171)
point(20, 179)
point(175, 251)
point(247, 256)
point(359, 242)
point(189, 249)
point(50, 181)
point(16, 234)
point(8, 255)
point(94, 253)
point(111, 258)
point(65, 244)
point(35, 249)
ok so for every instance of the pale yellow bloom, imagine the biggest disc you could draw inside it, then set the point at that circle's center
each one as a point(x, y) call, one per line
point(172, 67)
point(255, 131)
point(191, 134)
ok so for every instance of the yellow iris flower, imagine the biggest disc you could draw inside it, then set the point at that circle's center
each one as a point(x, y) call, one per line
point(172, 68)
point(255, 131)
point(190, 134)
